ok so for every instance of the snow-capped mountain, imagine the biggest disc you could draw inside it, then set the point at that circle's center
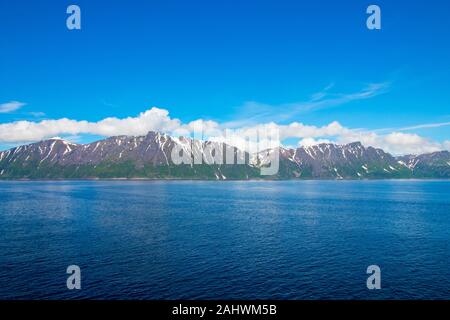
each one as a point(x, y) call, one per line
point(333, 161)
point(151, 156)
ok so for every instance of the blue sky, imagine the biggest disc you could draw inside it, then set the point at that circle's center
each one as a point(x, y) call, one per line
point(229, 61)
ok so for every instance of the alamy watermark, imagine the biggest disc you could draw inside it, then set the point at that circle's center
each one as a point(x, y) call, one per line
point(73, 22)
point(374, 280)
point(374, 20)
point(255, 147)
point(74, 280)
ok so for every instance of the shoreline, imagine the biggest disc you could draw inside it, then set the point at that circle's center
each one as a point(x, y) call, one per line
point(217, 180)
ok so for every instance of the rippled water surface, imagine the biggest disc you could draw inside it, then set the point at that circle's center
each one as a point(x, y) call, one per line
point(225, 240)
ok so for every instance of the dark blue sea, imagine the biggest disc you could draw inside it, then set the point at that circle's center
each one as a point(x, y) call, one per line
point(225, 240)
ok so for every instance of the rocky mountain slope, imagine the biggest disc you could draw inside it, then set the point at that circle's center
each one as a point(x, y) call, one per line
point(151, 156)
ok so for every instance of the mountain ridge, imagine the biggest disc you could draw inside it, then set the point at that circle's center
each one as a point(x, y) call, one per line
point(150, 157)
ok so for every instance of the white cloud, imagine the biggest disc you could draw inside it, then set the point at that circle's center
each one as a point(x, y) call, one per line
point(426, 126)
point(416, 127)
point(396, 143)
point(254, 112)
point(156, 119)
point(307, 142)
point(447, 145)
point(11, 106)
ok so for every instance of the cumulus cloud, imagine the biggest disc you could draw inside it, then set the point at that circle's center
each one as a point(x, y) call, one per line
point(447, 145)
point(11, 106)
point(396, 143)
point(156, 119)
point(307, 142)
point(151, 120)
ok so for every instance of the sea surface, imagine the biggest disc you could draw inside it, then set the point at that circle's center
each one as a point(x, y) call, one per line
point(225, 240)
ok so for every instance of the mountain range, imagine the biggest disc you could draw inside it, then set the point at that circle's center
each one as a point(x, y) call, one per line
point(150, 157)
